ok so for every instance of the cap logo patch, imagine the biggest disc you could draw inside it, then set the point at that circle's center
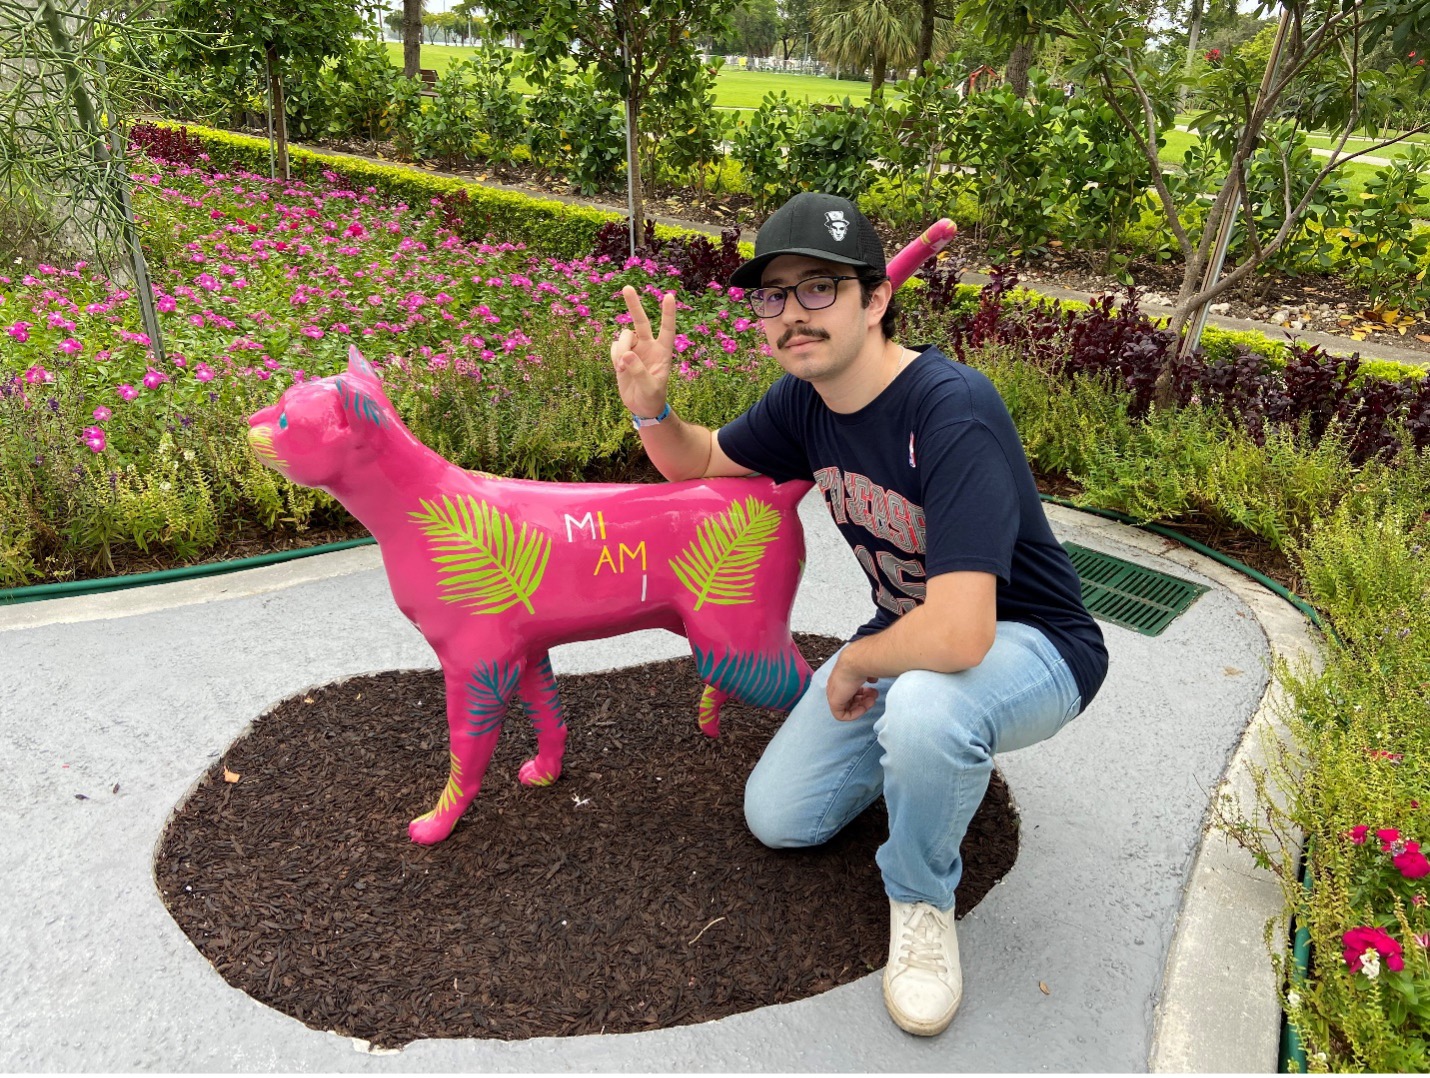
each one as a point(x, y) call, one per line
point(838, 225)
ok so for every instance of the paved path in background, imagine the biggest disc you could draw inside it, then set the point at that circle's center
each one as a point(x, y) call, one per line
point(1146, 934)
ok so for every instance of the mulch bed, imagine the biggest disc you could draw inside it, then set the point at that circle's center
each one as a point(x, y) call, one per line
point(628, 896)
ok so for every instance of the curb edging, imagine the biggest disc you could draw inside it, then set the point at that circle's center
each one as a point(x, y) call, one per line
point(1219, 1009)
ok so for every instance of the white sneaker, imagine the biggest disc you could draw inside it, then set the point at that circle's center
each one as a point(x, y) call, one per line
point(923, 982)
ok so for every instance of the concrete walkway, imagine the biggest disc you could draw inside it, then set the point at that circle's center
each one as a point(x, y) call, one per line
point(1143, 924)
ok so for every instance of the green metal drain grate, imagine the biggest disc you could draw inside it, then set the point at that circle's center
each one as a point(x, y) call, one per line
point(1129, 595)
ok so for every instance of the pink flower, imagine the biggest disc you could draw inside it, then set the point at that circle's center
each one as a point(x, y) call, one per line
point(69, 346)
point(101, 414)
point(1388, 836)
point(167, 305)
point(154, 379)
point(127, 391)
point(1411, 862)
point(37, 374)
point(1357, 834)
point(312, 331)
point(94, 438)
point(20, 331)
point(1356, 942)
point(204, 373)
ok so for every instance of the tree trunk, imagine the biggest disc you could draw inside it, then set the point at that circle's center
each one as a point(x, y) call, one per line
point(280, 120)
point(876, 78)
point(411, 37)
point(926, 34)
point(1194, 31)
point(1018, 63)
point(633, 165)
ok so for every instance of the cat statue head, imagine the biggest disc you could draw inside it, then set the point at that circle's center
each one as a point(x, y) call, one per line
point(322, 429)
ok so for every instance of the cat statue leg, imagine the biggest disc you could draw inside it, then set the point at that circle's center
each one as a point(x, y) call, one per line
point(477, 696)
point(548, 719)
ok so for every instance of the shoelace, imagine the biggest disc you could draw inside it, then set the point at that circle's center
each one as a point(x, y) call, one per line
point(922, 943)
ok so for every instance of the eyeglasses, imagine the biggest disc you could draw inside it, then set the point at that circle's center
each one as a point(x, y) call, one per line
point(813, 293)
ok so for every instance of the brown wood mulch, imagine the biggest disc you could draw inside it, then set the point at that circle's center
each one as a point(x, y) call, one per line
point(628, 896)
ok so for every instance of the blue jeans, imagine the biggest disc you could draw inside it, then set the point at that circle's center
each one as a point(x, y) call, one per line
point(927, 745)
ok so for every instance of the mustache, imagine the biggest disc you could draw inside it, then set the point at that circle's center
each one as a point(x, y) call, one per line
point(795, 331)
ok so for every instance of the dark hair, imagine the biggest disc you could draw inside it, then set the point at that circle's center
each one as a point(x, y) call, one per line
point(870, 279)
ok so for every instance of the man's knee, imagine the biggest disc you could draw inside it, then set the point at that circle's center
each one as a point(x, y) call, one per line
point(927, 717)
point(769, 816)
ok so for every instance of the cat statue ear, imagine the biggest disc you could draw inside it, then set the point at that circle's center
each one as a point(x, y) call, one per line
point(357, 364)
point(360, 367)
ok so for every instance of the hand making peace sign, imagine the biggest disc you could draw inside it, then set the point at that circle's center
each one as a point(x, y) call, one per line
point(642, 361)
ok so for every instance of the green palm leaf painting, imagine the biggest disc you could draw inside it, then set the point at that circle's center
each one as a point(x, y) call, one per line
point(719, 567)
point(485, 563)
point(261, 439)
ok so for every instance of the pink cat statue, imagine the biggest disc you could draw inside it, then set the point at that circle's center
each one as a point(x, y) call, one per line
point(494, 572)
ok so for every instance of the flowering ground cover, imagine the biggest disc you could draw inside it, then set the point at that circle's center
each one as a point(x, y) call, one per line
point(261, 284)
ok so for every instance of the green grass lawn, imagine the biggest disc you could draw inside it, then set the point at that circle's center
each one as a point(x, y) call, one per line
point(735, 89)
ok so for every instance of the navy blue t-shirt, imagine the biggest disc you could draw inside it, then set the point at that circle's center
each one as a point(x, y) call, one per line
point(928, 478)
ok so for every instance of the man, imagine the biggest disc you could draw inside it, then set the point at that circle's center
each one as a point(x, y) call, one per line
point(980, 643)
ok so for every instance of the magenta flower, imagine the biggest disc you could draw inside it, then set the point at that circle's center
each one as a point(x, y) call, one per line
point(312, 331)
point(20, 331)
point(204, 373)
point(1357, 834)
point(1357, 944)
point(1388, 836)
point(69, 346)
point(1411, 862)
point(127, 391)
point(167, 305)
point(94, 438)
point(37, 374)
point(101, 414)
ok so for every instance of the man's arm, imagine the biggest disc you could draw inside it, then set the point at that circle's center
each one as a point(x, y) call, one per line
point(952, 630)
point(678, 449)
point(682, 450)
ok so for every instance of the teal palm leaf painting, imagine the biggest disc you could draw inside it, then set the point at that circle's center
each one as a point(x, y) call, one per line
point(359, 403)
point(488, 688)
point(774, 681)
point(719, 567)
point(484, 562)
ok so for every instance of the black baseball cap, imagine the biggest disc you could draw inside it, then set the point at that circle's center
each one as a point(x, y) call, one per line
point(817, 225)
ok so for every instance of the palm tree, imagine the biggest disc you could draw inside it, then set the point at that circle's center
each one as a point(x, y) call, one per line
point(873, 33)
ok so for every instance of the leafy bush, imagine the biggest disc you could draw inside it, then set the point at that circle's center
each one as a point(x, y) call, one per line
point(1279, 174)
point(579, 132)
point(359, 90)
point(911, 126)
point(761, 143)
point(832, 150)
point(1387, 252)
point(449, 124)
point(1019, 165)
point(500, 116)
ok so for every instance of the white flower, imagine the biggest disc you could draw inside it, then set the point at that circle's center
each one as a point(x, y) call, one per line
point(1293, 999)
point(1370, 963)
